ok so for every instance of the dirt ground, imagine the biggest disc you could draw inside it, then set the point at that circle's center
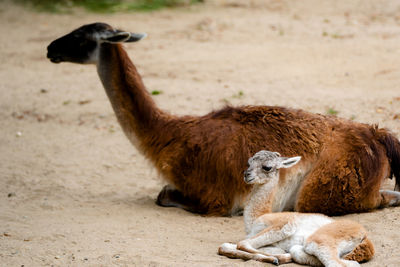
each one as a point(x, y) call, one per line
point(73, 190)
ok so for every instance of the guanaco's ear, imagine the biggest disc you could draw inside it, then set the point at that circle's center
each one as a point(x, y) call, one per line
point(116, 37)
point(136, 37)
point(289, 162)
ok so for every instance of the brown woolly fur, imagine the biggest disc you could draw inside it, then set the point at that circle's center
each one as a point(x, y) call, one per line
point(203, 158)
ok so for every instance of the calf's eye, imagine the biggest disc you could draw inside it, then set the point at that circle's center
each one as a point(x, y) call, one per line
point(266, 168)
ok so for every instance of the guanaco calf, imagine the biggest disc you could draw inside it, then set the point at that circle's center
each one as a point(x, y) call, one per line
point(305, 238)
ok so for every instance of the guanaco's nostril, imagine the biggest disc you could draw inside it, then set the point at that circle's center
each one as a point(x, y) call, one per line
point(53, 56)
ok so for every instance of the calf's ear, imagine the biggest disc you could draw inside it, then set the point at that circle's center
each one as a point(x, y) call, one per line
point(289, 162)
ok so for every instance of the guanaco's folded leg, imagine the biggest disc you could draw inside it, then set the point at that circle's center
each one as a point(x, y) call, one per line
point(171, 197)
point(389, 198)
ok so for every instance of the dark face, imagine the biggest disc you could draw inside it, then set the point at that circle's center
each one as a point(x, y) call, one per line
point(77, 46)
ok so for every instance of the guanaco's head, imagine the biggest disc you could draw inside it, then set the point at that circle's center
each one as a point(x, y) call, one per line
point(264, 166)
point(82, 45)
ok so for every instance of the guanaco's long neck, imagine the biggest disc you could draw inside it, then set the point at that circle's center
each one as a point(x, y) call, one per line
point(135, 109)
point(259, 203)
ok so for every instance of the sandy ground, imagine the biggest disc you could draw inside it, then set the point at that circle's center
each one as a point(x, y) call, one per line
point(74, 192)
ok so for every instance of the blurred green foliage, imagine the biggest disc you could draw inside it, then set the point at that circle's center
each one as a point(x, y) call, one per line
point(104, 6)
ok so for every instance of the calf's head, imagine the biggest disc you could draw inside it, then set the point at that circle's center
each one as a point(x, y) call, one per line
point(264, 166)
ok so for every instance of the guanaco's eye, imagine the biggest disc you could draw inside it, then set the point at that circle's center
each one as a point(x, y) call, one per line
point(267, 168)
point(83, 43)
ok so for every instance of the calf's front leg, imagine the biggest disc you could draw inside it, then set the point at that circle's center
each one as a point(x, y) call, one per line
point(267, 237)
point(230, 250)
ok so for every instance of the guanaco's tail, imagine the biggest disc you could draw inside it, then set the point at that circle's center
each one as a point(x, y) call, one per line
point(392, 145)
